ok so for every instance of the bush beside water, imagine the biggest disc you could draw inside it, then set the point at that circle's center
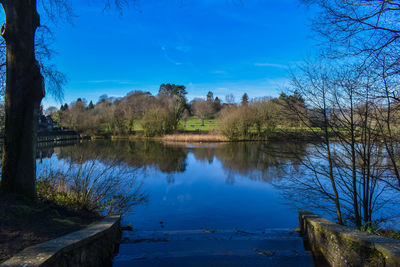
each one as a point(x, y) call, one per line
point(90, 187)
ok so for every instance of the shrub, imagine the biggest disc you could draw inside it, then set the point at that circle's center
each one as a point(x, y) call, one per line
point(252, 121)
point(157, 121)
point(90, 187)
point(236, 123)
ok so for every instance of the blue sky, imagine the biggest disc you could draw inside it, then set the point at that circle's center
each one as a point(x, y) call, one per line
point(222, 46)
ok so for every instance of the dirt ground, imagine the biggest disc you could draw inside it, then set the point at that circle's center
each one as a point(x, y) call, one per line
point(24, 223)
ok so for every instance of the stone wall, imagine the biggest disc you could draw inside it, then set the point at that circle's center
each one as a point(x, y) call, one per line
point(92, 246)
point(345, 246)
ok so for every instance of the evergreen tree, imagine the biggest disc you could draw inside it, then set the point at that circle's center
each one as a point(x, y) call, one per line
point(210, 96)
point(245, 99)
point(217, 104)
point(91, 106)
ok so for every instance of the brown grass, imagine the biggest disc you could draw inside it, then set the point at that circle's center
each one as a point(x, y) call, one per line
point(193, 138)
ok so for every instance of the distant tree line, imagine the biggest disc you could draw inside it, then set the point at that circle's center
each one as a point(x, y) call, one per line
point(161, 114)
point(157, 115)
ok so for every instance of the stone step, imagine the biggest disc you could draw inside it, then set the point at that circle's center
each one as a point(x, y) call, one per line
point(221, 261)
point(271, 247)
point(209, 234)
point(213, 247)
point(174, 252)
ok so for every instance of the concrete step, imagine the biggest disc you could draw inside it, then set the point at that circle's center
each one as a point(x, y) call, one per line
point(209, 234)
point(213, 247)
point(271, 247)
point(231, 260)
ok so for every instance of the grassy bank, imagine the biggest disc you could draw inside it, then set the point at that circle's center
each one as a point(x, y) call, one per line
point(194, 124)
point(25, 223)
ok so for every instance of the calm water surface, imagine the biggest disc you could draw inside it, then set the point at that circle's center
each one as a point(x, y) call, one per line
point(227, 186)
point(209, 195)
point(205, 186)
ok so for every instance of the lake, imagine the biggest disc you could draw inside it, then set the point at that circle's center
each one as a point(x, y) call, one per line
point(223, 188)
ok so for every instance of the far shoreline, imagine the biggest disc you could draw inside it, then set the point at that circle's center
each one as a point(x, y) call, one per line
point(211, 137)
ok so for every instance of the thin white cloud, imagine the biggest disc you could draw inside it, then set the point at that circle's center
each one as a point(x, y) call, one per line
point(164, 49)
point(271, 65)
point(254, 88)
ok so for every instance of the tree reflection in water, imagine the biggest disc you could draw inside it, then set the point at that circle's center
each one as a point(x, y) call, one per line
point(256, 161)
point(156, 155)
point(308, 186)
point(282, 164)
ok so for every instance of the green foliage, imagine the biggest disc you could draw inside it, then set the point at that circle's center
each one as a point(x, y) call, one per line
point(370, 227)
point(289, 107)
point(173, 98)
point(194, 124)
point(210, 96)
point(374, 228)
point(245, 99)
point(90, 106)
point(294, 98)
point(170, 90)
point(46, 189)
point(64, 107)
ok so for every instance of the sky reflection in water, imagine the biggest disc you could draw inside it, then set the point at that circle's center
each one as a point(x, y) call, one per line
point(207, 186)
point(222, 186)
point(206, 197)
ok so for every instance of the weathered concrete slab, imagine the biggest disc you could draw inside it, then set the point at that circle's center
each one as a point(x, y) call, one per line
point(345, 246)
point(269, 247)
point(222, 260)
point(93, 246)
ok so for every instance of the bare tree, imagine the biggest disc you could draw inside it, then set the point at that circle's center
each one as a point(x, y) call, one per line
point(364, 36)
point(313, 85)
point(387, 117)
point(350, 154)
point(135, 104)
point(230, 99)
point(203, 109)
point(366, 32)
point(266, 113)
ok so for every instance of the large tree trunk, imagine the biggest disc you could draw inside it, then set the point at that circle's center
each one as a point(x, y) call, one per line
point(23, 94)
